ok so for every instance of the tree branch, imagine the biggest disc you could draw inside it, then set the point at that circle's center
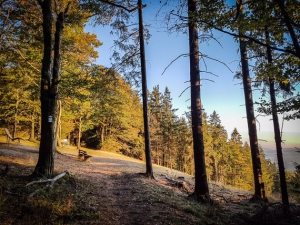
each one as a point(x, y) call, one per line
point(288, 24)
point(51, 181)
point(295, 53)
point(182, 55)
point(253, 39)
point(121, 6)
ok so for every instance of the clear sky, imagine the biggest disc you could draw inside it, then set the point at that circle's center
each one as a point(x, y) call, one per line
point(224, 94)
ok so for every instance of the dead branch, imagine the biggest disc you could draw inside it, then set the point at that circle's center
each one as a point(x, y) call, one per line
point(262, 140)
point(211, 73)
point(184, 91)
point(182, 55)
point(49, 181)
point(206, 56)
point(207, 79)
point(123, 7)
point(253, 39)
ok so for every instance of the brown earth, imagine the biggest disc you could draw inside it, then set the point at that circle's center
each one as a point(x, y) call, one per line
point(111, 190)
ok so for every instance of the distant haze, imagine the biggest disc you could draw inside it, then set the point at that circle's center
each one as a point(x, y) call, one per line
point(291, 141)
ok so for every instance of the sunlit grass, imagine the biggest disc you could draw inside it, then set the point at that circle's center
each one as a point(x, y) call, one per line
point(16, 160)
point(25, 142)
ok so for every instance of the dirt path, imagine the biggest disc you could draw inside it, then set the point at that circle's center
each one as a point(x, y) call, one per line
point(117, 193)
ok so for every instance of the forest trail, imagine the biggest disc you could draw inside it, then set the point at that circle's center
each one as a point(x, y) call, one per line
point(113, 190)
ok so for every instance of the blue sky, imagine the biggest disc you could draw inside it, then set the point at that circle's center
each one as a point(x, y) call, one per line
point(224, 94)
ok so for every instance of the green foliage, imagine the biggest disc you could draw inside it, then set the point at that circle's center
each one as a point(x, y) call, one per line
point(227, 161)
point(109, 111)
point(293, 181)
point(170, 135)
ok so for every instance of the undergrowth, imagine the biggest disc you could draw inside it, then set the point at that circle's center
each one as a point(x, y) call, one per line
point(56, 205)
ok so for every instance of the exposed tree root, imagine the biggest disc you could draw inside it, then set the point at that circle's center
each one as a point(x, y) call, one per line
point(256, 198)
point(202, 198)
point(148, 175)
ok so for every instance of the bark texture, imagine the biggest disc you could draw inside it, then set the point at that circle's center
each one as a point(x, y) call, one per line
point(149, 169)
point(49, 89)
point(201, 186)
point(252, 131)
point(277, 136)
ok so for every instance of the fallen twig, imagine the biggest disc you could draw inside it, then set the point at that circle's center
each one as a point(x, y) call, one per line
point(49, 181)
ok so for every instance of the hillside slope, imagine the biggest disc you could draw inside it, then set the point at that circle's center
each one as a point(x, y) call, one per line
point(110, 189)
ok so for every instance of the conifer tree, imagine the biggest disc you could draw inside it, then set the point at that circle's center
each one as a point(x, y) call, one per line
point(201, 186)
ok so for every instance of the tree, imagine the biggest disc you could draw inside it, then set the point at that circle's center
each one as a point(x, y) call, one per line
point(278, 140)
point(201, 186)
point(259, 192)
point(184, 156)
point(168, 127)
point(270, 173)
point(217, 145)
point(149, 169)
point(155, 120)
point(19, 60)
point(50, 78)
point(291, 20)
point(236, 165)
point(221, 15)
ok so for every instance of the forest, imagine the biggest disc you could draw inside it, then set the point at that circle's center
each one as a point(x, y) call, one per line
point(52, 89)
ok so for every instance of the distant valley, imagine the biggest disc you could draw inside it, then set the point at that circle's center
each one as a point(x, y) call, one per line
point(291, 141)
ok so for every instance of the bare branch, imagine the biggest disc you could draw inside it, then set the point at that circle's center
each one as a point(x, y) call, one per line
point(262, 140)
point(184, 91)
point(182, 55)
point(121, 6)
point(206, 56)
point(211, 73)
point(208, 80)
point(50, 181)
point(244, 36)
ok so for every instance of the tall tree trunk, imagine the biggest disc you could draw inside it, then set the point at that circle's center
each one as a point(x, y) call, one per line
point(49, 89)
point(79, 133)
point(157, 154)
point(149, 169)
point(216, 170)
point(257, 172)
point(14, 132)
point(201, 186)
point(102, 133)
point(45, 162)
point(58, 125)
point(283, 185)
point(32, 126)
